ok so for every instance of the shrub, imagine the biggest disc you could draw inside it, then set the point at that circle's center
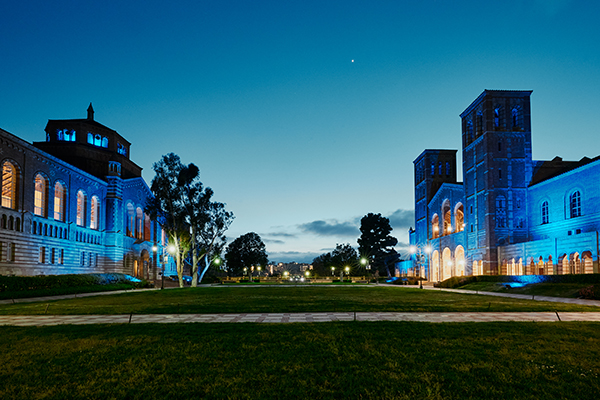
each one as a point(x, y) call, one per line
point(590, 292)
point(42, 282)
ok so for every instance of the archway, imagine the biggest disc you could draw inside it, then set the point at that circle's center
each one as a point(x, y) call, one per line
point(588, 262)
point(459, 259)
point(446, 264)
point(144, 265)
point(575, 263)
point(435, 266)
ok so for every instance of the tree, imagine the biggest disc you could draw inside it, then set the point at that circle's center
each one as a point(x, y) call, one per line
point(245, 252)
point(182, 206)
point(322, 264)
point(342, 256)
point(376, 244)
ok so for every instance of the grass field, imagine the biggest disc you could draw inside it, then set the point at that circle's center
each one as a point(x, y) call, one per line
point(285, 299)
point(357, 360)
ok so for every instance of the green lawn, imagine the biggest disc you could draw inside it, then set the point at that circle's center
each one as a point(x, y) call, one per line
point(243, 299)
point(355, 360)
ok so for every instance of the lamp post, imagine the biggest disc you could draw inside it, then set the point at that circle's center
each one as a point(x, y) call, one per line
point(365, 262)
point(418, 251)
point(347, 269)
point(258, 272)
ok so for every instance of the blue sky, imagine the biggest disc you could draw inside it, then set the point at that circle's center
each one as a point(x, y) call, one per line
point(263, 96)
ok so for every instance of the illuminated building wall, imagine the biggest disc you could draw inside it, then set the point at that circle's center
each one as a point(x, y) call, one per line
point(511, 214)
point(74, 204)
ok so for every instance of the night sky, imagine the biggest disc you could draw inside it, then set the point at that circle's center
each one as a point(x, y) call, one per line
point(303, 116)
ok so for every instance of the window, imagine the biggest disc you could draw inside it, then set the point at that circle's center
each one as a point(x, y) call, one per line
point(575, 204)
point(479, 122)
point(61, 256)
point(83, 258)
point(440, 168)
point(52, 256)
point(65, 135)
point(10, 252)
point(499, 145)
point(497, 117)
point(121, 149)
point(59, 202)
point(90, 138)
point(501, 212)
point(432, 169)
point(42, 255)
point(515, 117)
point(81, 205)
point(139, 223)
point(130, 220)
point(94, 212)
point(41, 188)
point(105, 142)
point(545, 218)
point(9, 185)
point(499, 173)
point(447, 168)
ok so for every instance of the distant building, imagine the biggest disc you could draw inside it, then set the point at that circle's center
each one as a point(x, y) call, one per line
point(511, 214)
point(74, 204)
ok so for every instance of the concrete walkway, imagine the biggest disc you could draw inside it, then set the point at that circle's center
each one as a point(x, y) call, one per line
point(45, 320)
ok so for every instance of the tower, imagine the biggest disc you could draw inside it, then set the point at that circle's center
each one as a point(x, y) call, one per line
point(432, 169)
point(497, 168)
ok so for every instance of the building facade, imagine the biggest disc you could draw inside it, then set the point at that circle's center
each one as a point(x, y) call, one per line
point(75, 204)
point(511, 214)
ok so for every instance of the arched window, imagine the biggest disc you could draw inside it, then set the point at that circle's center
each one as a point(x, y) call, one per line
point(90, 138)
point(81, 206)
point(515, 117)
point(105, 142)
point(447, 215)
point(130, 220)
point(94, 212)
point(459, 218)
point(97, 140)
point(435, 226)
point(545, 218)
point(40, 201)
point(575, 204)
point(9, 185)
point(497, 117)
point(139, 224)
point(59, 201)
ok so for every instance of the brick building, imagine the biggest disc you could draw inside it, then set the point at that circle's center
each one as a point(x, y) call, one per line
point(74, 204)
point(511, 214)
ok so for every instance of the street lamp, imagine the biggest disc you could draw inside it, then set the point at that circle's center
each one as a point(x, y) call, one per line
point(347, 269)
point(418, 251)
point(258, 271)
point(245, 270)
point(332, 271)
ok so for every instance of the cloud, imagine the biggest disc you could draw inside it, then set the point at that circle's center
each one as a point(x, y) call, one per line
point(273, 241)
point(330, 228)
point(280, 234)
point(402, 219)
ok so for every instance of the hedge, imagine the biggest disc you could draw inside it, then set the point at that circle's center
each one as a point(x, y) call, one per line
point(458, 281)
point(21, 284)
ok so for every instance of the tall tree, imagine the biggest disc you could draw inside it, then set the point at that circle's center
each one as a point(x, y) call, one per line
point(322, 264)
point(375, 242)
point(183, 207)
point(245, 252)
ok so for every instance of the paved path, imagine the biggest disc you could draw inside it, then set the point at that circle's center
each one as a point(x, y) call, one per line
point(43, 320)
